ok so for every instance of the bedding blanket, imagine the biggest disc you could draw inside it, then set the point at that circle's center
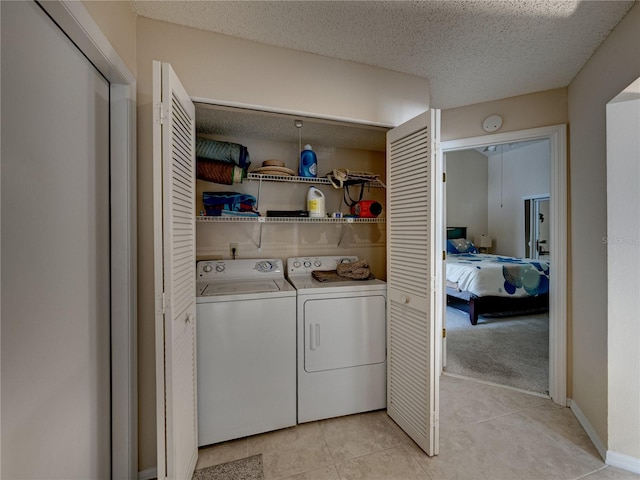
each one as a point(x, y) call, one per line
point(495, 275)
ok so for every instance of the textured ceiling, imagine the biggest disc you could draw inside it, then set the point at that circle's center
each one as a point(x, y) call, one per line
point(472, 51)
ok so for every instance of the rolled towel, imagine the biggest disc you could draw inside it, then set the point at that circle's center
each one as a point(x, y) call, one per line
point(357, 270)
point(218, 172)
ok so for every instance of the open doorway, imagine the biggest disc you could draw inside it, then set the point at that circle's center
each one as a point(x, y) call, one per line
point(506, 339)
point(497, 239)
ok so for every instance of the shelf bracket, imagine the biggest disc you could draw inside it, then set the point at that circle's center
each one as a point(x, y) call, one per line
point(261, 221)
point(343, 230)
point(258, 196)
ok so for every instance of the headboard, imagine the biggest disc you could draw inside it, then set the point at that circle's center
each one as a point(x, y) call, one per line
point(456, 232)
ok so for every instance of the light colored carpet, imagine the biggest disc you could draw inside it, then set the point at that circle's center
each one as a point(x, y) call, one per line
point(249, 468)
point(512, 351)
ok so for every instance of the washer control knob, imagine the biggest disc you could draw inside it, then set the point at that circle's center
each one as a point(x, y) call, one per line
point(219, 268)
point(317, 263)
point(307, 263)
point(207, 268)
point(264, 266)
point(296, 264)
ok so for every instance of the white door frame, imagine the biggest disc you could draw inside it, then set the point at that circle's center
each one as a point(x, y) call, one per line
point(557, 136)
point(533, 233)
point(74, 19)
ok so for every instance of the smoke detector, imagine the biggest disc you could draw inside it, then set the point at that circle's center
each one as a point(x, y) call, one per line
point(492, 123)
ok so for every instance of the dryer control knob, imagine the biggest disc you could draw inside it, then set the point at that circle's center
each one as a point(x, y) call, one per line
point(307, 263)
point(317, 263)
point(219, 268)
point(296, 264)
point(207, 268)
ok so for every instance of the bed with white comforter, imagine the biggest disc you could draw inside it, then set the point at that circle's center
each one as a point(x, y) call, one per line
point(485, 275)
point(496, 284)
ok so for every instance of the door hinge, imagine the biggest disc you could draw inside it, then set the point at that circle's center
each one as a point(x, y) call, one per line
point(160, 304)
point(444, 255)
point(159, 113)
point(435, 420)
point(444, 177)
point(444, 333)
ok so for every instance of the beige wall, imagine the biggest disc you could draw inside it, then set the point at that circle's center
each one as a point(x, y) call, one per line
point(467, 183)
point(612, 68)
point(623, 252)
point(117, 21)
point(518, 113)
point(222, 68)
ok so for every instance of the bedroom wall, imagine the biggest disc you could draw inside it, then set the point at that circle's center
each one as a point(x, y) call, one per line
point(224, 68)
point(523, 171)
point(610, 70)
point(467, 182)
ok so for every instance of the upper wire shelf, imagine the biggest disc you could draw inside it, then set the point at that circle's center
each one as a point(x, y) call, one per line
point(294, 179)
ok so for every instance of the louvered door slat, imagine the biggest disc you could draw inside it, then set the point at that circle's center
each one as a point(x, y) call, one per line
point(411, 383)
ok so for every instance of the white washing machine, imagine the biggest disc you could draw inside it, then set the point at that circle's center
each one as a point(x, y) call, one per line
point(246, 343)
point(341, 341)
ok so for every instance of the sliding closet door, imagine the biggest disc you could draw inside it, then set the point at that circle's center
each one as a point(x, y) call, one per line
point(55, 256)
point(174, 253)
point(412, 375)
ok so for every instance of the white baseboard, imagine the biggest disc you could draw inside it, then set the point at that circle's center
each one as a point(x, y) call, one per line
point(622, 461)
point(148, 474)
point(591, 432)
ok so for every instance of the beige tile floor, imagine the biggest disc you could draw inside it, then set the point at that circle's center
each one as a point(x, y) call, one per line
point(486, 432)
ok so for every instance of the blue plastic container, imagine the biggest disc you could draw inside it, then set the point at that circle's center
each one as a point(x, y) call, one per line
point(308, 163)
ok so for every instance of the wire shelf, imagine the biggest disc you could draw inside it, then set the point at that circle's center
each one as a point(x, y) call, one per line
point(222, 219)
point(292, 179)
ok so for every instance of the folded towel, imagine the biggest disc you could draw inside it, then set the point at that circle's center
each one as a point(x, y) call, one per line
point(357, 270)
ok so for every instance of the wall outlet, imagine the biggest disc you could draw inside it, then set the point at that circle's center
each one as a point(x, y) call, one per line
point(233, 250)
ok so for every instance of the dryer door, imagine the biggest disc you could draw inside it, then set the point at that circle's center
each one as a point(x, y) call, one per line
point(344, 332)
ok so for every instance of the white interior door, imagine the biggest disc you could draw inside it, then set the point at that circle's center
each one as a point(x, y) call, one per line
point(441, 245)
point(412, 283)
point(174, 254)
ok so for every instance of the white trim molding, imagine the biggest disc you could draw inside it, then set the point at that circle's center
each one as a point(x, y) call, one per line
point(76, 22)
point(148, 474)
point(611, 458)
point(622, 461)
point(588, 428)
point(74, 19)
point(557, 136)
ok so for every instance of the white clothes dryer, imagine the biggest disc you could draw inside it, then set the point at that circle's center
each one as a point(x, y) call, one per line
point(246, 344)
point(341, 341)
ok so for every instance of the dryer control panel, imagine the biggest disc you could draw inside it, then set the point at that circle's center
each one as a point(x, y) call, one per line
point(306, 265)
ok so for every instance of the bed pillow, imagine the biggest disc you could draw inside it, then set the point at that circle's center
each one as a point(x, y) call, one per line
point(461, 245)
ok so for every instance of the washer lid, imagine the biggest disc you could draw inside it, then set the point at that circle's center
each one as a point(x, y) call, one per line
point(231, 288)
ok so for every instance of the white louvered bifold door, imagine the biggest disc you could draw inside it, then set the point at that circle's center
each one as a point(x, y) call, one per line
point(174, 162)
point(412, 382)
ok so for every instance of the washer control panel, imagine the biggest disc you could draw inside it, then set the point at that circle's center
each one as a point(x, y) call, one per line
point(306, 265)
point(221, 270)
